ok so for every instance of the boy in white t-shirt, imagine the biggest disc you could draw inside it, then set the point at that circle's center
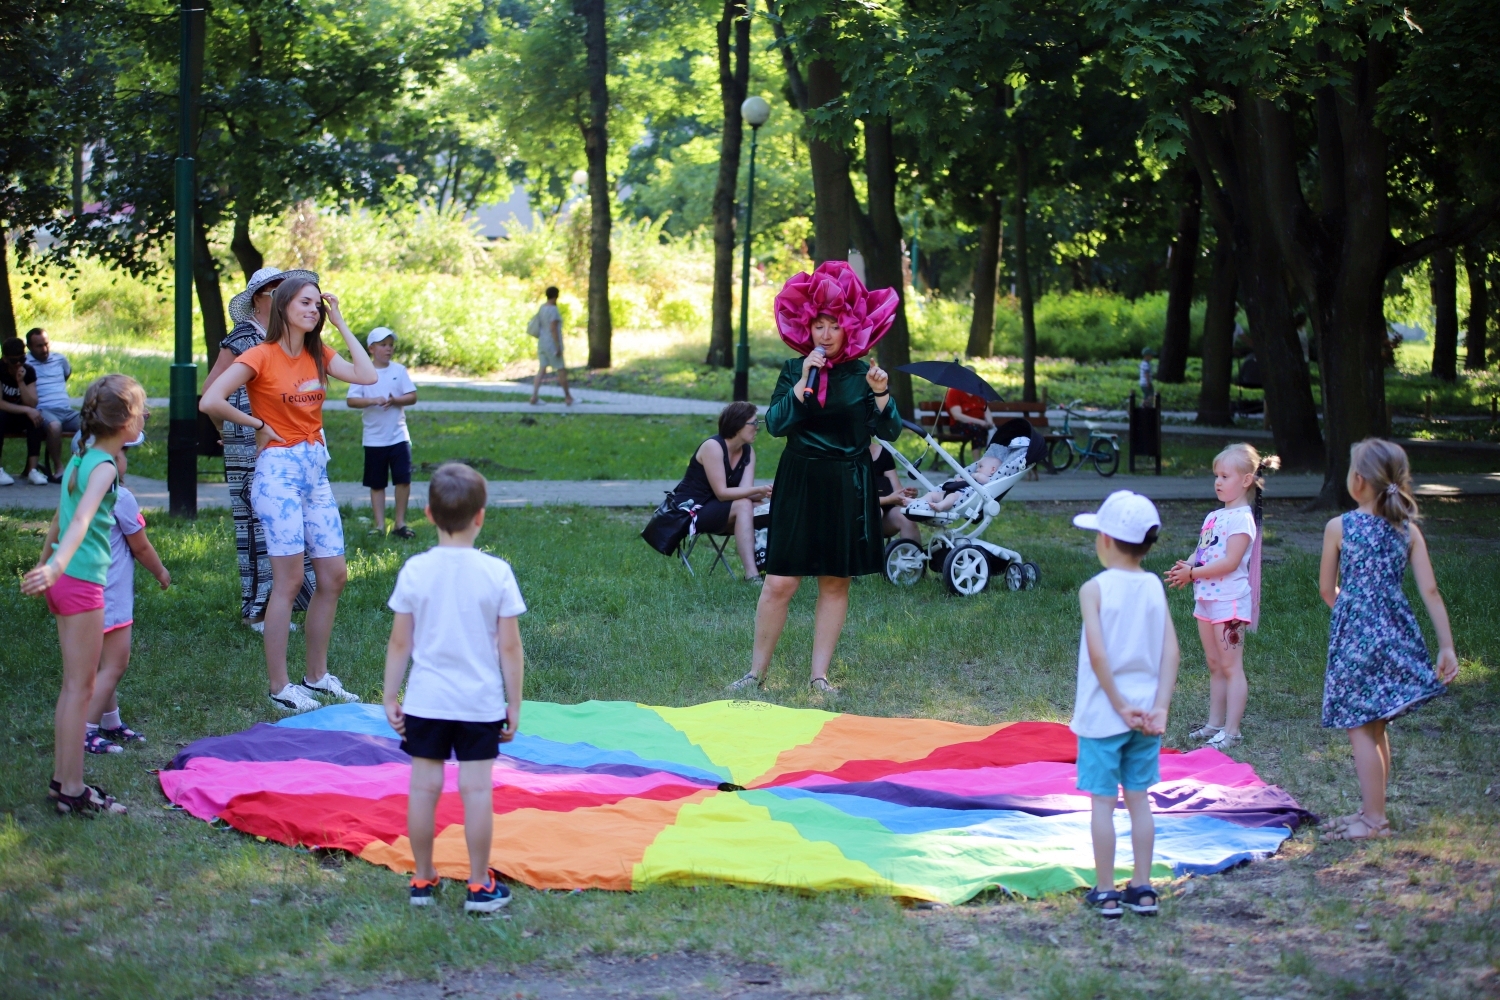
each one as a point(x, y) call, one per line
point(456, 611)
point(386, 439)
point(1127, 670)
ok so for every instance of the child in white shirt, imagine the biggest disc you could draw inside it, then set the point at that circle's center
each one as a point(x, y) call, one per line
point(1127, 671)
point(1225, 574)
point(456, 611)
point(387, 441)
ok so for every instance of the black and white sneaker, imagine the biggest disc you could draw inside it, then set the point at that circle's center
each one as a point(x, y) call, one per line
point(328, 685)
point(487, 898)
point(293, 700)
point(421, 891)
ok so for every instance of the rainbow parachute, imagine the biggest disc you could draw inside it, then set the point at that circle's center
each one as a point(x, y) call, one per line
point(616, 795)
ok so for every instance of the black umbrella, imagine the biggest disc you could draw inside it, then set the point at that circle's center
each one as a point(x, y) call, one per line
point(952, 375)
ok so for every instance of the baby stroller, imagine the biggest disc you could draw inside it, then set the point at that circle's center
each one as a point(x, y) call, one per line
point(964, 559)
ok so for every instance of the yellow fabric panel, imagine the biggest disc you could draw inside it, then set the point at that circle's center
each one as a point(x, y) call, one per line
point(746, 736)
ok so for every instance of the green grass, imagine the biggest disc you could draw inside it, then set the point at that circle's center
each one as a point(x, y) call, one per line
point(157, 904)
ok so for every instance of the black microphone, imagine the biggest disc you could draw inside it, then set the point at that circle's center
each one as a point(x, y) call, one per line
point(812, 377)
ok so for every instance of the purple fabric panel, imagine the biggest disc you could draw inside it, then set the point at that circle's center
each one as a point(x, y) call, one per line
point(1266, 805)
point(267, 743)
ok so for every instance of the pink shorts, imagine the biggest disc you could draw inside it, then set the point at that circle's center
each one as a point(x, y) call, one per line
point(72, 596)
point(1219, 612)
point(116, 628)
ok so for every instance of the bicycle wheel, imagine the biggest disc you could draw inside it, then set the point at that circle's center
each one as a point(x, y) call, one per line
point(1106, 456)
point(1060, 455)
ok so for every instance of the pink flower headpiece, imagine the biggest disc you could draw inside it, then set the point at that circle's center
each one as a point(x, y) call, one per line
point(834, 290)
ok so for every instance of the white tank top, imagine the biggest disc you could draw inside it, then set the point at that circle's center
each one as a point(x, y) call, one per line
point(1133, 617)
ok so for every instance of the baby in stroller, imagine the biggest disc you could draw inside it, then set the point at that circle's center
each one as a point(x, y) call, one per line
point(998, 459)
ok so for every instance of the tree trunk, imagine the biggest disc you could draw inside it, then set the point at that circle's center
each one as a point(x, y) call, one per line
point(883, 268)
point(77, 178)
point(210, 295)
point(1444, 303)
point(7, 307)
point(986, 278)
point(1475, 262)
point(1023, 275)
point(596, 147)
point(1218, 340)
point(733, 84)
point(1229, 147)
point(833, 211)
point(249, 258)
point(1178, 332)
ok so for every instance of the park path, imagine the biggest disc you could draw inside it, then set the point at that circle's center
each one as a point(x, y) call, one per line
point(1070, 487)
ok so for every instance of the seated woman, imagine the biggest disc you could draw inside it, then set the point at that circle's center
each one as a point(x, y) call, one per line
point(893, 496)
point(713, 479)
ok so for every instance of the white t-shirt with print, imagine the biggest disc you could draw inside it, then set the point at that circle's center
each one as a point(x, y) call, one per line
point(456, 596)
point(1213, 545)
point(385, 425)
point(1133, 618)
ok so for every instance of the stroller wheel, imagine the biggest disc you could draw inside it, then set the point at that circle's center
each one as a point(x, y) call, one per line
point(966, 571)
point(1015, 577)
point(1031, 576)
point(905, 562)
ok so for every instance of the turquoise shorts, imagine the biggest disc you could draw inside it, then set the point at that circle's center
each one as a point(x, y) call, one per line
point(1129, 760)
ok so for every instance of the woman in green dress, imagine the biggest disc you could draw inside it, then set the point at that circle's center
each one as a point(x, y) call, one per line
point(828, 404)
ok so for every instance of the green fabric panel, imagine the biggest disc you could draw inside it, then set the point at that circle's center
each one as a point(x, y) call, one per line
point(615, 725)
point(950, 867)
point(746, 736)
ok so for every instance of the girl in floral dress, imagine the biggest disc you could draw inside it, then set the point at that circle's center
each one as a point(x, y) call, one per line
point(1378, 663)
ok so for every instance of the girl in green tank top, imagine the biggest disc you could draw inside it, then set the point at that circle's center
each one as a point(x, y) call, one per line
point(74, 564)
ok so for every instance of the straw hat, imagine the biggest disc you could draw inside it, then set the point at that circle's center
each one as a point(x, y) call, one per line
point(242, 306)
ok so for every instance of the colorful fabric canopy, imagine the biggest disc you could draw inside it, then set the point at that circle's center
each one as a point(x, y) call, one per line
point(616, 795)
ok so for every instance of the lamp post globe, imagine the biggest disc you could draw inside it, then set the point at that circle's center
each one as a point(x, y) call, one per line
point(755, 111)
point(580, 177)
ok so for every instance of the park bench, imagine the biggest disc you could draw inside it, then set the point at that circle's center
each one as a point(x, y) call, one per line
point(932, 416)
point(44, 462)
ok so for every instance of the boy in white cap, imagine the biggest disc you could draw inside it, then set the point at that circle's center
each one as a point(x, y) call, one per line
point(1127, 670)
point(386, 439)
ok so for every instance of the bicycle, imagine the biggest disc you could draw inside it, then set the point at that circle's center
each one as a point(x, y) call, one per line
point(1102, 447)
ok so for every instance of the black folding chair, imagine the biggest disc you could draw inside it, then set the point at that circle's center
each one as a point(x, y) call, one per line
point(718, 543)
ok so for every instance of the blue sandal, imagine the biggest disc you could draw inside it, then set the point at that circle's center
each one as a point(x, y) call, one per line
point(1142, 899)
point(123, 734)
point(1107, 902)
point(94, 743)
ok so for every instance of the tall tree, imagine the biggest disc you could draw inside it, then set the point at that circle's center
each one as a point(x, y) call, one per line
point(1214, 406)
point(986, 278)
point(1476, 262)
point(596, 149)
point(1177, 334)
point(1443, 268)
point(734, 81)
point(1023, 270)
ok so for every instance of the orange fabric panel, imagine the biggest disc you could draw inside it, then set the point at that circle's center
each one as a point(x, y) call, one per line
point(595, 847)
point(861, 737)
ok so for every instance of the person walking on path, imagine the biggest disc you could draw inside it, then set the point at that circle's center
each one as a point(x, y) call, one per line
point(721, 477)
point(286, 377)
point(72, 572)
point(828, 404)
point(251, 311)
point(52, 373)
point(18, 409)
point(546, 327)
point(387, 442)
point(1379, 666)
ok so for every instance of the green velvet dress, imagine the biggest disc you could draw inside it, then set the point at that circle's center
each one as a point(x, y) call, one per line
point(825, 509)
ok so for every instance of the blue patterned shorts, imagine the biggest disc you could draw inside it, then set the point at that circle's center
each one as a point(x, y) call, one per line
point(294, 502)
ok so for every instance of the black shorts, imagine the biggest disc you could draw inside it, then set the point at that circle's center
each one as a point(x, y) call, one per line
point(392, 458)
point(438, 739)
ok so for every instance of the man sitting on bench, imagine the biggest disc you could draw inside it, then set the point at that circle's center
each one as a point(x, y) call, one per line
point(969, 416)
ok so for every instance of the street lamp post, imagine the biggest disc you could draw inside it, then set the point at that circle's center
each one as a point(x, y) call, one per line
point(182, 434)
point(754, 111)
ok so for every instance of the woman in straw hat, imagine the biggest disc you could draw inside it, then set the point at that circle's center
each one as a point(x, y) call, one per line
point(828, 404)
point(251, 311)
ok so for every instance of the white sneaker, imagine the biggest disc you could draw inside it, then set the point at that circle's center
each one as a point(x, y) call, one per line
point(261, 627)
point(329, 685)
point(36, 478)
point(5, 478)
point(293, 700)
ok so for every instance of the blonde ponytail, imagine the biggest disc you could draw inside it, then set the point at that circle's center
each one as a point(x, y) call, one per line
point(1384, 465)
point(109, 403)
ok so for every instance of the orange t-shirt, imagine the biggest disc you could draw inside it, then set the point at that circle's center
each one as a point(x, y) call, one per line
point(971, 406)
point(285, 392)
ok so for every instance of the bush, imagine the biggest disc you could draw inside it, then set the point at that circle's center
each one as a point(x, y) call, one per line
point(680, 313)
point(94, 303)
point(1090, 326)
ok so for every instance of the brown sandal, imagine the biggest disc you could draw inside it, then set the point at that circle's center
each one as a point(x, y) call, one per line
point(88, 802)
point(821, 686)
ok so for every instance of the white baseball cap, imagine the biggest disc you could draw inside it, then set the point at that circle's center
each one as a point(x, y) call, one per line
point(378, 334)
point(1123, 515)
